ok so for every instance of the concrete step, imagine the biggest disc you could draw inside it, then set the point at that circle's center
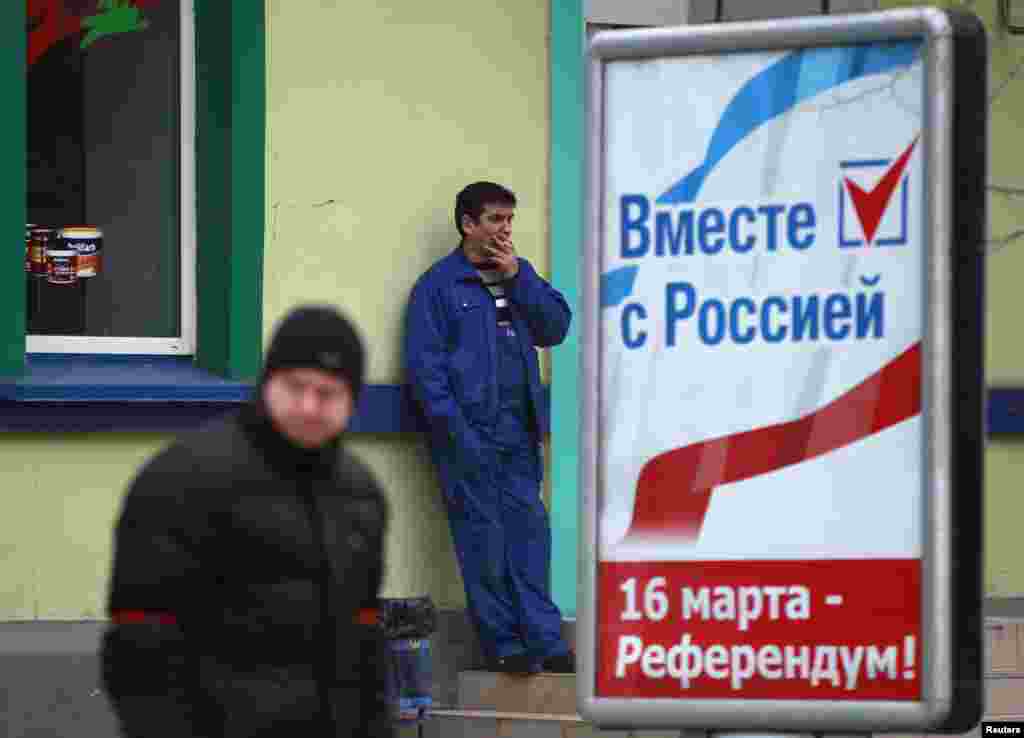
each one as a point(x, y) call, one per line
point(1004, 695)
point(494, 724)
point(552, 697)
point(1004, 646)
point(544, 694)
point(492, 704)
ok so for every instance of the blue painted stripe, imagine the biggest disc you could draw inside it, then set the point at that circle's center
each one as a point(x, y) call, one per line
point(96, 393)
point(383, 409)
point(1005, 411)
point(617, 285)
point(795, 78)
point(109, 397)
point(107, 378)
point(108, 417)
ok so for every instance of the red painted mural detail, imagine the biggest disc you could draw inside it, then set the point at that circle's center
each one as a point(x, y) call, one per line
point(51, 21)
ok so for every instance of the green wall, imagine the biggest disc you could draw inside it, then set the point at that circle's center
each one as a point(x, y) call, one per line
point(567, 191)
point(13, 187)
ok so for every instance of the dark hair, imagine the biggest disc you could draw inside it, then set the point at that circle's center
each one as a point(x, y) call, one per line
point(472, 200)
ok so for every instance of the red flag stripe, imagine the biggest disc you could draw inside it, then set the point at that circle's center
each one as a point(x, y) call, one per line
point(674, 488)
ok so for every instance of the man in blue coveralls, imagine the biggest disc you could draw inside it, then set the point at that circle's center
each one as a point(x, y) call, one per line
point(474, 321)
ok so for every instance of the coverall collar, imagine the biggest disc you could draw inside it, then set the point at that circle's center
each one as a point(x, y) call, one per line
point(459, 268)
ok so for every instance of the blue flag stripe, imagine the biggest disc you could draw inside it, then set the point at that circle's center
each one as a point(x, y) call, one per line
point(796, 77)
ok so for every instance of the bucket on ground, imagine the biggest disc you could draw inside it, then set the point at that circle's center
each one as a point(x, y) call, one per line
point(408, 624)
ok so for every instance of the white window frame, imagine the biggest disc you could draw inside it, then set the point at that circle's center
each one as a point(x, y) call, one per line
point(184, 344)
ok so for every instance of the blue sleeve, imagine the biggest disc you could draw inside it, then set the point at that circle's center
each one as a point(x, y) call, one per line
point(426, 366)
point(543, 307)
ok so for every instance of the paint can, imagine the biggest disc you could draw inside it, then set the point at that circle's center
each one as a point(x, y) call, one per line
point(87, 242)
point(41, 241)
point(28, 247)
point(62, 266)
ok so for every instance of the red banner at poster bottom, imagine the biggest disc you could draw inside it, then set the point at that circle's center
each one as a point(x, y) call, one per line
point(778, 630)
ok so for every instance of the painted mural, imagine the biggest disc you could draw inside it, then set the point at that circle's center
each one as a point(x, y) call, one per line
point(51, 21)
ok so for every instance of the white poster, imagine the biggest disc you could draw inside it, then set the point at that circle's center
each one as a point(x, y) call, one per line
point(760, 362)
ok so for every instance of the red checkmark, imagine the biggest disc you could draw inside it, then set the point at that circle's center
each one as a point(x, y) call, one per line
point(871, 204)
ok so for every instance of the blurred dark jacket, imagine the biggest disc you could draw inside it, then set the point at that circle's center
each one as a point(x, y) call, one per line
point(245, 577)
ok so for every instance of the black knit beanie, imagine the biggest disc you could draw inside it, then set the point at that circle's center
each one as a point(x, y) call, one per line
point(318, 337)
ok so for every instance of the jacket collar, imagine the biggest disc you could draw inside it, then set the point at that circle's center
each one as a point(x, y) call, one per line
point(291, 460)
point(457, 267)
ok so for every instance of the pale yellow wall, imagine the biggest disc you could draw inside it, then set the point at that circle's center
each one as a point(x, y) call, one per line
point(378, 113)
point(382, 111)
point(61, 496)
point(1004, 567)
point(387, 113)
point(1004, 460)
point(421, 559)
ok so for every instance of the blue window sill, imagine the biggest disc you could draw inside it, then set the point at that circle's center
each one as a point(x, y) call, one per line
point(64, 393)
point(75, 393)
point(101, 378)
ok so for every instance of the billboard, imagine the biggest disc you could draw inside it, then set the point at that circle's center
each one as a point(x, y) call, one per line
point(785, 366)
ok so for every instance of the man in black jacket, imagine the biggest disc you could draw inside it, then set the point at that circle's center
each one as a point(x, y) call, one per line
point(247, 562)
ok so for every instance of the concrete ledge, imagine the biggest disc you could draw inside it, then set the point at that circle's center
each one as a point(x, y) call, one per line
point(543, 694)
point(49, 681)
point(491, 714)
point(1004, 607)
point(49, 676)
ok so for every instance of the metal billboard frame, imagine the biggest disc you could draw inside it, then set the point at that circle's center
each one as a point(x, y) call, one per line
point(954, 142)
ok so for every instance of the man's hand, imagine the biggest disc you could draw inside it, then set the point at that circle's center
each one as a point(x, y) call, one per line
point(502, 252)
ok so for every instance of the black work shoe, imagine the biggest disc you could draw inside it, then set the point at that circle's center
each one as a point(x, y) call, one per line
point(563, 663)
point(517, 663)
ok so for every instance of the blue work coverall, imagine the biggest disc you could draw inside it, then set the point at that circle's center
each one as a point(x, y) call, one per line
point(479, 387)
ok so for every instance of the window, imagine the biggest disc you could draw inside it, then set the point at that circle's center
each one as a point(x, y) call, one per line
point(111, 144)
